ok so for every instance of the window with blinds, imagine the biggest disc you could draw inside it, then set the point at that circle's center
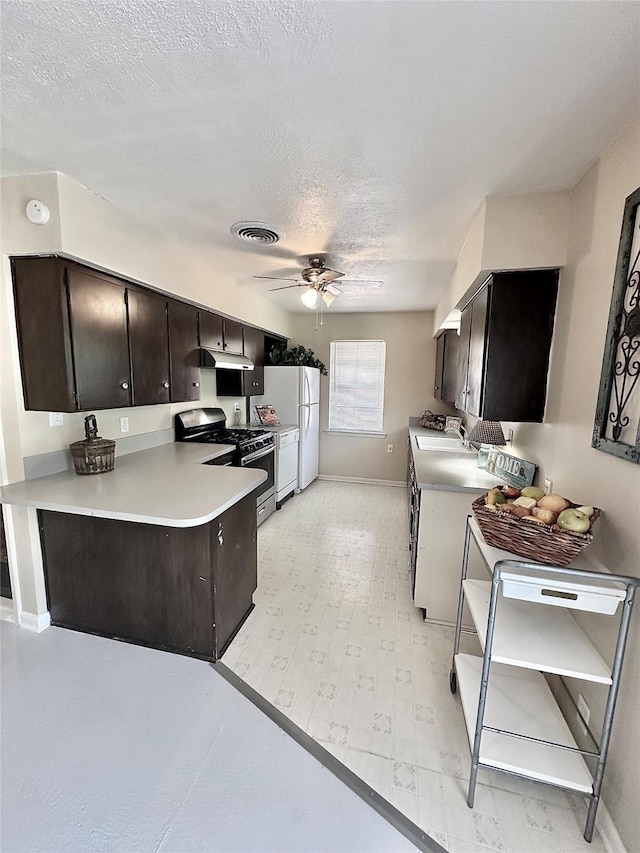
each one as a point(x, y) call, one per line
point(356, 385)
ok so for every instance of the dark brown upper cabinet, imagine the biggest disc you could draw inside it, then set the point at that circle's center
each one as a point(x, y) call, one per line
point(183, 350)
point(211, 331)
point(253, 380)
point(91, 340)
point(98, 318)
point(149, 342)
point(504, 346)
point(44, 336)
point(232, 337)
point(72, 333)
point(470, 374)
point(245, 383)
point(446, 366)
point(220, 334)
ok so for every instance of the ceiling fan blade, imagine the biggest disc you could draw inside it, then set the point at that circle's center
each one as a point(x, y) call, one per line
point(325, 276)
point(329, 297)
point(331, 288)
point(287, 286)
point(276, 278)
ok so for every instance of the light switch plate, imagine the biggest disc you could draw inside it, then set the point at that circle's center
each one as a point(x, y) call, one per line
point(55, 419)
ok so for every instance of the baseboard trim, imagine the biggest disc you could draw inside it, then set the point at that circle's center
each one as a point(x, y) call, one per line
point(34, 621)
point(369, 482)
point(608, 832)
point(401, 822)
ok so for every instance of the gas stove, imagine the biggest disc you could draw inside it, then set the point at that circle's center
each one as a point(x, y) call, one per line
point(253, 448)
point(209, 425)
point(246, 441)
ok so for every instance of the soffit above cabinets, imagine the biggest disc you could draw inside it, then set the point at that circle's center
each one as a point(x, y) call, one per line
point(368, 132)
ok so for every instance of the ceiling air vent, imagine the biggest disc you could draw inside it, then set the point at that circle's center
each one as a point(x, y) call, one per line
point(256, 232)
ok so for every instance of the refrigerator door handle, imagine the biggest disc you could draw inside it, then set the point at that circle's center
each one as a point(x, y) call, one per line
point(307, 397)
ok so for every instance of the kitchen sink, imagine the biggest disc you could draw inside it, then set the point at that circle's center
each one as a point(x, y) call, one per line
point(446, 444)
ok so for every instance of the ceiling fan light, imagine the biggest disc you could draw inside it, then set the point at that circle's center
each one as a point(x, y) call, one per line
point(328, 298)
point(309, 298)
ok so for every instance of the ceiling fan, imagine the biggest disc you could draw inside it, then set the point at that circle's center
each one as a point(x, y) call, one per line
point(317, 279)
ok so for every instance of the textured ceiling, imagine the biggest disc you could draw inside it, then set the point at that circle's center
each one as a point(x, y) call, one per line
point(367, 131)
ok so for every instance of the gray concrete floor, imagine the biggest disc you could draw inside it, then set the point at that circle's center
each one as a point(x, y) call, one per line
point(112, 747)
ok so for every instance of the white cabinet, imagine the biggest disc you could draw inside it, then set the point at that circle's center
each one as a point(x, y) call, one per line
point(440, 524)
point(442, 484)
point(525, 622)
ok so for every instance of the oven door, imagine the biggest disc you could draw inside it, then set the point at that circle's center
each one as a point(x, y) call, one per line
point(265, 459)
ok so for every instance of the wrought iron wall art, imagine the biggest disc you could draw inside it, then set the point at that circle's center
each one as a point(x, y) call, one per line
point(617, 424)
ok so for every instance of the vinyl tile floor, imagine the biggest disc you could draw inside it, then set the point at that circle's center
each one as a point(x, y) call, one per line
point(336, 644)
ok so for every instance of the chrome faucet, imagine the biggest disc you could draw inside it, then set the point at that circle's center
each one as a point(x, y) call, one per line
point(462, 435)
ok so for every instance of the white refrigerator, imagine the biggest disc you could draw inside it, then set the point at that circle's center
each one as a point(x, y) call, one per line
point(295, 394)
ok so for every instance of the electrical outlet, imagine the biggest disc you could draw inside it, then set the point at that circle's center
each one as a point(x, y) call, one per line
point(124, 424)
point(55, 418)
point(236, 408)
point(584, 712)
point(548, 487)
point(389, 448)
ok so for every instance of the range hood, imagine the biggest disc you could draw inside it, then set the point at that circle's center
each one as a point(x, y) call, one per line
point(227, 360)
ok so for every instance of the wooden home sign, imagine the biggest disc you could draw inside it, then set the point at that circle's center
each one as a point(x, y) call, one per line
point(513, 470)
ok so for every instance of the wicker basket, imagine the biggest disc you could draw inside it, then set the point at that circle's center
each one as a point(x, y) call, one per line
point(93, 457)
point(537, 542)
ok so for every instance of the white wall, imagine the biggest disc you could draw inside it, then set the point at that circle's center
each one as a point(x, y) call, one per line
point(409, 380)
point(508, 233)
point(561, 446)
point(89, 228)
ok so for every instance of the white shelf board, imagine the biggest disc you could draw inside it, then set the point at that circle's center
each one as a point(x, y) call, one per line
point(519, 700)
point(535, 636)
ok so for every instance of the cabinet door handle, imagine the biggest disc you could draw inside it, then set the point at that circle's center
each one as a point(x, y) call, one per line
point(165, 384)
point(125, 385)
point(196, 384)
point(221, 540)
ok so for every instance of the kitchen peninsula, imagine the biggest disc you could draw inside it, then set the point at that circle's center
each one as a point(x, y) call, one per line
point(161, 551)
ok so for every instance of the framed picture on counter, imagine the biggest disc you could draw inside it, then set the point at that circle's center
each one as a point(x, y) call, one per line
point(268, 416)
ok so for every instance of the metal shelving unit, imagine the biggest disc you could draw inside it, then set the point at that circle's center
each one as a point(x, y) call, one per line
point(525, 626)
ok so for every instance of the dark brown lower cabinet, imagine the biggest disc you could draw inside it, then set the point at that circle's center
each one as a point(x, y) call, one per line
point(233, 538)
point(180, 589)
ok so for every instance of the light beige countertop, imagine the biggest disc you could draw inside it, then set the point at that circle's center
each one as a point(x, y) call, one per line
point(445, 470)
point(167, 485)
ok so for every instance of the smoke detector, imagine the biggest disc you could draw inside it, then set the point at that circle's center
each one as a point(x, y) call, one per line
point(256, 232)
